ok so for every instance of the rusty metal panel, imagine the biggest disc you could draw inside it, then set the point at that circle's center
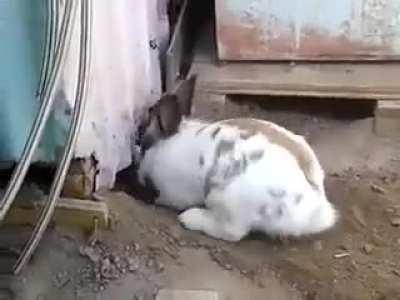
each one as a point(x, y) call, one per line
point(308, 29)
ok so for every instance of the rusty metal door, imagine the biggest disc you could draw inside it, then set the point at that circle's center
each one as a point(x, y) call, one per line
point(308, 29)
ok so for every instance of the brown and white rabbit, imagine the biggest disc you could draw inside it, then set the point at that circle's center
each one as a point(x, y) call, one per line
point(233, 176)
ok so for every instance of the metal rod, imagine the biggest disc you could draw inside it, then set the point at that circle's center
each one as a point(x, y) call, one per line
point(79, 109)
point(47, 47)
point(47, 100)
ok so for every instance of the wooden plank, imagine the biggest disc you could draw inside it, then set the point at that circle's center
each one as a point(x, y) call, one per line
point(73, 213)
point(340, 80)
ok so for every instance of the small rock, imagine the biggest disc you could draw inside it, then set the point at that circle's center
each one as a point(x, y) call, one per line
point(368, 248)
point(395, 221)
point(136, 247)
point(341, 255)
point(182, 243)
point(133, 264)
point(227, 267)
point(317, 245)
point(116, 259)
point(377, 189)
point(90, 253)
point(150, 263)
point(105, 265)
point(390, 210)
point(160, 266)
point(396, 272)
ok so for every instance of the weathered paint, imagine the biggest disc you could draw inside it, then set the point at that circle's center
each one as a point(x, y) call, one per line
point(308, 29)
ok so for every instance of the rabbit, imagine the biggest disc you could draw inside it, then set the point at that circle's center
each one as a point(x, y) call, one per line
point(232, 177)
point(295, 144)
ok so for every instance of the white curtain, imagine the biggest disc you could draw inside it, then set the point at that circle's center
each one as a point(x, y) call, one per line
point(124, 79)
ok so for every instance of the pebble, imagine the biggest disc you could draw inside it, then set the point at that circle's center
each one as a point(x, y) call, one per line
point(390, 210)
point(341, 255)
point(377, 189)
point(368, 248)
point(244, 272)
point(182, 243)
point(150, 263)
point(395, 221)
point(396, 272)
point(227, 266)
point(89, 252)
point(160, 266)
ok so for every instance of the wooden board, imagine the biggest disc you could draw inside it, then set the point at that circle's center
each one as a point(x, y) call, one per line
point(69, 212)
point(335, 80)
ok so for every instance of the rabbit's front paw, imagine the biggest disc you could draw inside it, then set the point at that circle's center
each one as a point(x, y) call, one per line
point(192, 219)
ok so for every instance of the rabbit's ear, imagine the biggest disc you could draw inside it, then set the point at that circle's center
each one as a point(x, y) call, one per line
point(185, 92)
point(169, 114)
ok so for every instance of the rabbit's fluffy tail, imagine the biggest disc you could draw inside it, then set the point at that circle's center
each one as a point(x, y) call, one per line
point(324, 218)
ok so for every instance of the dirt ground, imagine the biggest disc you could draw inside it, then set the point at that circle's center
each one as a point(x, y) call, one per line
point(148, 250)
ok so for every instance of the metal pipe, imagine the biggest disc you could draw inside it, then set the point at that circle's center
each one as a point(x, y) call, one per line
point(47, 100)
point(79, 109)
point(44, 69)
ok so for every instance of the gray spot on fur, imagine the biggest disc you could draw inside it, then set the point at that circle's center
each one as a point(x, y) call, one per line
point(201, 160)
point(263, 211)
point(279, 212)
point(207, 185)
point(298, 198)
point(277, 193)
point(256, 155)
point(224, 147)
point(245, 135)
point(234, 168)
point(201, 129)
point(215, 132)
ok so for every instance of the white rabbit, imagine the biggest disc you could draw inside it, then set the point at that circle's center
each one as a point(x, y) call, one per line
point(247, 178)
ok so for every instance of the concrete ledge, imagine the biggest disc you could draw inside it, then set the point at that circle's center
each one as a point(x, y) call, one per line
point(186, 295)
point(387, 119)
